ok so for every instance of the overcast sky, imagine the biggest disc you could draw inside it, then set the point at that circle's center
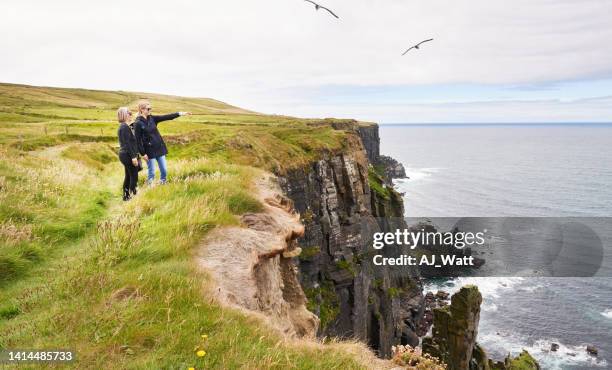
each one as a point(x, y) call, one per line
point(491, 60)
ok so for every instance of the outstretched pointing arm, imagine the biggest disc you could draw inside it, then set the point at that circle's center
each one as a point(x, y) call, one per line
point(167, 117)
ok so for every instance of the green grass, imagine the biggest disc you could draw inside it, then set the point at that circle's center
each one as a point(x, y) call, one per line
point(394, 292)
point(524, 361)
point(309, 253)
point(324, 300)
point(376, 183)
point(346, 265)
point(95, 156)
point(116, 281)
point(146, 250)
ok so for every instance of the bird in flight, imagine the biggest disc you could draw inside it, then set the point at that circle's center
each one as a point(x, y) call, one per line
point(317, 7)
point(417, 45)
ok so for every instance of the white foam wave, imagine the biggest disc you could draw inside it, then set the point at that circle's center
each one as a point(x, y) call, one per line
point(531, 289)
point(490, 287)
point(491, 307)
point(420, 173)
point(540, 350)
point(607, 313)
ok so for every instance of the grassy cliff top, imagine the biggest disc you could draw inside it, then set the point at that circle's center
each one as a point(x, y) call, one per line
point(32, 118)
point(116, 281)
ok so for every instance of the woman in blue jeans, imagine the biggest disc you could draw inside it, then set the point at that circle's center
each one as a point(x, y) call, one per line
point(150, 142)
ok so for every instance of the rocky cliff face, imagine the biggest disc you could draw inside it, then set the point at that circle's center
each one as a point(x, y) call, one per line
point(392, 168)
point(342, 200)
point(387, 166)
point(371, 141)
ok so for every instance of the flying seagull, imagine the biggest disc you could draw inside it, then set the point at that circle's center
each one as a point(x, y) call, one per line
point(417, 45)
point(317, 6)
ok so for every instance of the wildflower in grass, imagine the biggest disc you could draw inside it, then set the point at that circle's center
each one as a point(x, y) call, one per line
point(191, 368)
point(201, 353)
point(204, 336)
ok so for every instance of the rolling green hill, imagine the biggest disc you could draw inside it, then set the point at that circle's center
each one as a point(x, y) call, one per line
point(116, 281)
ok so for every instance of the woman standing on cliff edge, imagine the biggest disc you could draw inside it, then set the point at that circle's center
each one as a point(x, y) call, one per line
point(150, 142)
point(128, 153)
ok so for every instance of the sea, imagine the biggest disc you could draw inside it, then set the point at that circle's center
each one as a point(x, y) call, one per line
point(518, 170)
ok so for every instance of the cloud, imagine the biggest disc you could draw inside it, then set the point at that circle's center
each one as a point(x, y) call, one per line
point(236, 50)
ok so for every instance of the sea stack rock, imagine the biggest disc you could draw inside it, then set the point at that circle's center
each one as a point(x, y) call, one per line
point(591, 350)
point(524, 361)
point(453, 339)
point(554, 347)
point(455, 328)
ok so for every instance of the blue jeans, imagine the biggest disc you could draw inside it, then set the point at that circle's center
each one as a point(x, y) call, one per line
point(163, 170)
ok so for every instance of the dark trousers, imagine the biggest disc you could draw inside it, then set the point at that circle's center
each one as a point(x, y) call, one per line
point(131, 176)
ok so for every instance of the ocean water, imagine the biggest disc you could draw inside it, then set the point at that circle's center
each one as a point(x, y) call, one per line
point(518, 171)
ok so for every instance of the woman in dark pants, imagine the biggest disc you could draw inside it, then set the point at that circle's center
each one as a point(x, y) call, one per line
point(150, 142)
point(128, 153)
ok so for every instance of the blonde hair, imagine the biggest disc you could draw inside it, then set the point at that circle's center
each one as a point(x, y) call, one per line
point(142, 104)
point(123, 114)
